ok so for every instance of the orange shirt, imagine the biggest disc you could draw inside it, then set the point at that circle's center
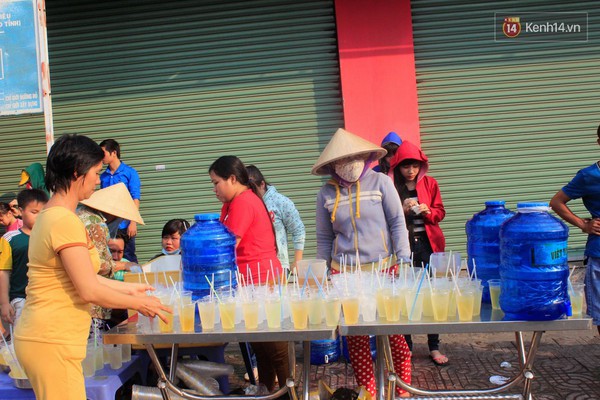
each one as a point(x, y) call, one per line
point(54, 312)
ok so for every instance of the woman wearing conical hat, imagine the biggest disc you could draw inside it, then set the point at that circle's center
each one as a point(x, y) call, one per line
point(359, 214)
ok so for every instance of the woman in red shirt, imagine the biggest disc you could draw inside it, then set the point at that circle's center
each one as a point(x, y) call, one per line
point(246, 216)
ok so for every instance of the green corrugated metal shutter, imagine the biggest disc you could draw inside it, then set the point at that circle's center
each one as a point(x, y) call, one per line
point(512, 121)
point(181, 83)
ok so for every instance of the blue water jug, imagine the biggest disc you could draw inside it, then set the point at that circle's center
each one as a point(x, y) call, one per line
point(483, 242)
point(207, 250)
point(324, 351)
point(533, 265)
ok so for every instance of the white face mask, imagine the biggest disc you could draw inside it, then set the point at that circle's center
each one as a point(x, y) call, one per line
point(350, 171)
point(171, 253)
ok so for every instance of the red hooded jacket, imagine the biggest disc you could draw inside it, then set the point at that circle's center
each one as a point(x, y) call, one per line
point(428, 192)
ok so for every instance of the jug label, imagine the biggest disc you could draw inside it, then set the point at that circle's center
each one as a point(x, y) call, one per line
point(549, 254)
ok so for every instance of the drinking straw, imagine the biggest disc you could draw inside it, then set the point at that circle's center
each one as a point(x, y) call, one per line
point(345, 282)
point(213, 290)
point(308, 270)
point(211, 285)
point(230, 285)
point(145, 277)
point(166, 280)
point(474, 270)
point(318, 284)
point(571, 273)
point(448, 265)
point(455, 282)
point(272, 271)
point(412, 309)
point(429, 279)
point(279, 282)
point(174, 286)
point(267, 281)
point(258, 273)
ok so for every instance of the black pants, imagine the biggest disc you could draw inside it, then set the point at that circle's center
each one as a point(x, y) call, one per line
point(421, 249)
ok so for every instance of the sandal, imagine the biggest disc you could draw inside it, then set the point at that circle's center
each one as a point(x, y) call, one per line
point(438, 359)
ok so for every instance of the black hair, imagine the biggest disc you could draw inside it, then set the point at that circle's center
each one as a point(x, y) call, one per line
point(123, 236)
point(111, 145)
point(256, 176)
point(227, 166)
point(598, 131)
point(27, 196)
point(175, 226)
point(399, 180)
point(70, 156)
point(384, 164)
point(4, 208)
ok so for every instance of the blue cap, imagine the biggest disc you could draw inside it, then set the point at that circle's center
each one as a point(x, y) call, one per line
point(495, 203)
point(207, 217)
point(391, 137)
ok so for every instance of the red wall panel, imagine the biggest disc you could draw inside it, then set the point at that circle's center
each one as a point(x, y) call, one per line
point(377, 66)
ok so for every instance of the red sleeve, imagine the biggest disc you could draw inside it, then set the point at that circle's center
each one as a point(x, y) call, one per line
point(238, 216)
point(434, 201)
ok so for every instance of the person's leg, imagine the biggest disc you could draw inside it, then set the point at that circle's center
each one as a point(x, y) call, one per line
point(401, 359)
point(409, 342)
point(359, 350)
point(280, 359)
point(433, 341)
point(54, 371)
point(592, 290)
point(271, 360)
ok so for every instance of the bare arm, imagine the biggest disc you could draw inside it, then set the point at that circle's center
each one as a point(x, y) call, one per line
point(559, 205)
point(132, 227)
point(8, 312)
point(91, 290)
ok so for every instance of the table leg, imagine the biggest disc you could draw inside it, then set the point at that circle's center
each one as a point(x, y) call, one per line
point(306, 370)
point(173, 366)
point(525, 374)
point(382, 360)
point(162, 377)
point(165, 384)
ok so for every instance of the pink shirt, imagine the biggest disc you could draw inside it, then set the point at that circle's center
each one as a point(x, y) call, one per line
point(15, 225)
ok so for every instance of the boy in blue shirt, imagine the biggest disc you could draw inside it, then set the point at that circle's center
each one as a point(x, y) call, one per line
point(585, 185)
point(14, 247)
point(117, 171)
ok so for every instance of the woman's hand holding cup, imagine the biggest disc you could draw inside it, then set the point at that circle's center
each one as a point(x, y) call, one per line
point(151, 306)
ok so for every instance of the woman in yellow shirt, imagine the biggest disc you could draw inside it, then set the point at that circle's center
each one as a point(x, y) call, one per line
point(51, 337)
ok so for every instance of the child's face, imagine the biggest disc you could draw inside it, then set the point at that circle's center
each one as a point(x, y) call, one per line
point(171, 242)
point(7, 218)
point(30, 213)
point(117, 248)
point(409, 172)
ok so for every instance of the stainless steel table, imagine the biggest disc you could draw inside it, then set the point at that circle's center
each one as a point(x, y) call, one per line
point(128, 333)
point(490, 321)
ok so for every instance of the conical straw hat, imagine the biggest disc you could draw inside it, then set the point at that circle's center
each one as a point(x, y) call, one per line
point(115, 200)
point(345, 144)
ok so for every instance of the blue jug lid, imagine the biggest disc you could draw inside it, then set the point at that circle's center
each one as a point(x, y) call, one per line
point(531, 204)
point(207, 217)
point(495, 203)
